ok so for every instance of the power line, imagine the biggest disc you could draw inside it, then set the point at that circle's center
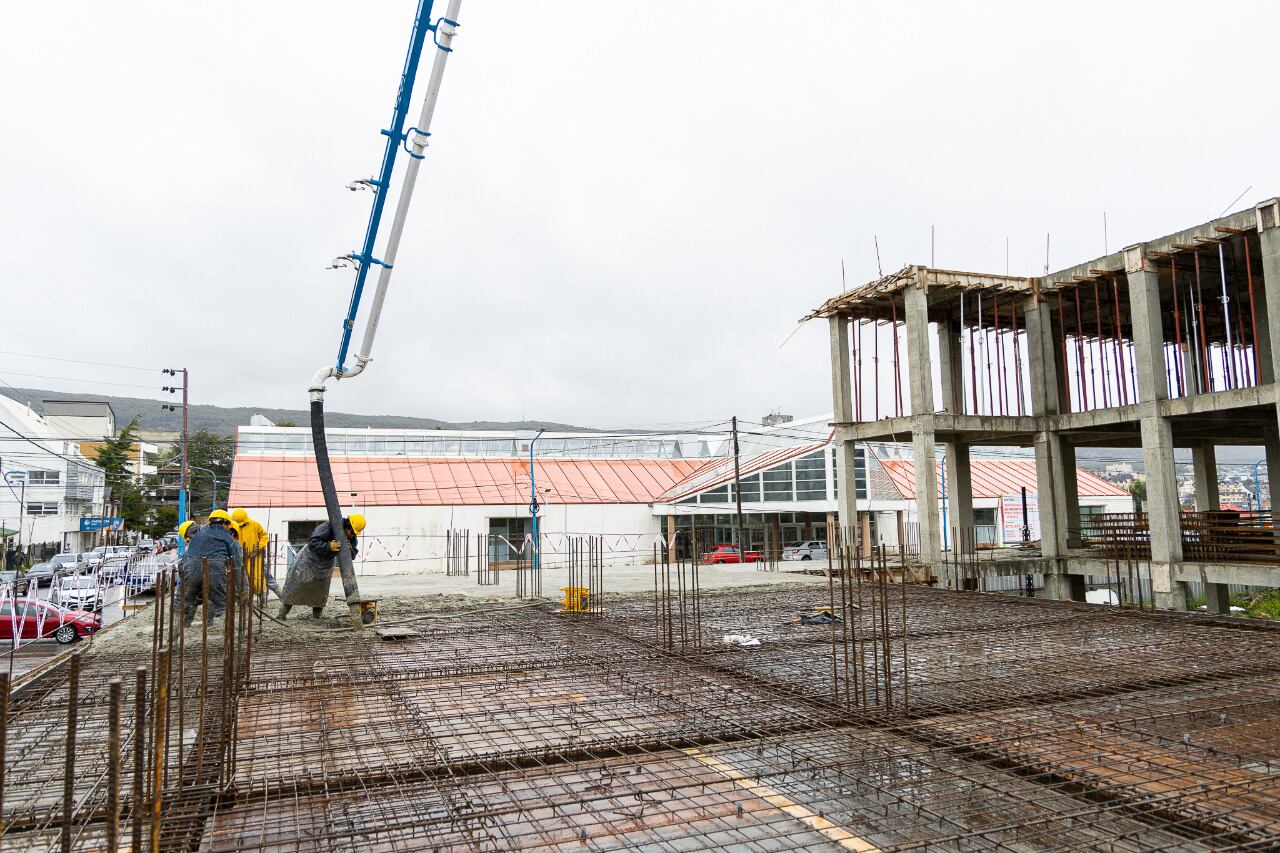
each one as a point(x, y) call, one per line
point(78, 361)
point(75, 379)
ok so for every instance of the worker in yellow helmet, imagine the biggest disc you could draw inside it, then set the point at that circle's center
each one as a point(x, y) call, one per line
point(254, 540)
point(308, 580)
point(184, 529)
point(215, 545)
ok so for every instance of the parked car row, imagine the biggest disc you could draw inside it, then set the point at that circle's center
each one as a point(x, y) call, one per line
point(812, 549)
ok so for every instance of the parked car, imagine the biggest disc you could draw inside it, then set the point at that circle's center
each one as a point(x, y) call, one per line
point(78, 592)
point(113, 567)
point(91, 559)
point(17, 581)
point(139, 577)
point(729, 554)
point(812, 549)
point(42, 574)
point(31, 618)
point(69, 561)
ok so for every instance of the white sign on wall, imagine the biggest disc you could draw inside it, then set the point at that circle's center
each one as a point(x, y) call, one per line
point(1011, 515)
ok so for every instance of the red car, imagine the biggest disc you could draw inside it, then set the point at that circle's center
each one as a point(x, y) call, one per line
point(38, 619)
point(729, 554)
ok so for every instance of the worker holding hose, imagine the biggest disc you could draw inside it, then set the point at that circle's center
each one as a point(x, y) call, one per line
point(254, 540)
point(307, 583)
point(214, 544)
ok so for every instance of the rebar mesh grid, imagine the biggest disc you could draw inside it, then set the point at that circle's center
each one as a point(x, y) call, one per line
point(1032, 725)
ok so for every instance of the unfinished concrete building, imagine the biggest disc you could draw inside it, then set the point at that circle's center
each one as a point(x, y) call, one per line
point(1166, 344)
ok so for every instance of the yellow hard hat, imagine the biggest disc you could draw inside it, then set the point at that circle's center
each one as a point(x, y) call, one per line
point(235, 529)
point(357, 522)
point(184, 528)
point(239, 516)
point(220, 514)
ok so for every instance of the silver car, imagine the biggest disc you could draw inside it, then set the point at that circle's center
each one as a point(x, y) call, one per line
point(811, 549)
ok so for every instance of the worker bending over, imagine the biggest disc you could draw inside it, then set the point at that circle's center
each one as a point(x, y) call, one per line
point(213, 543)
point(308, 580)
point(254, 540)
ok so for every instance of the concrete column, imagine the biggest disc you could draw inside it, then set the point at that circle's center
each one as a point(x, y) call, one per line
point(1216, 598)
point(846, 486)
point(959, 496)
point(1163, 512)
point(1070, 492)
point(919, 358)
point(950, 366)
point(841, 370)
point(1269, 321)
point(1272, 448)
point(842, 412)
point(1148, 320)
point(1043, 357)
point(1204, 463)
point(926, 476)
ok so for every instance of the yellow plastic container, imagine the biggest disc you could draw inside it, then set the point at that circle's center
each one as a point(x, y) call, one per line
point(576, 598)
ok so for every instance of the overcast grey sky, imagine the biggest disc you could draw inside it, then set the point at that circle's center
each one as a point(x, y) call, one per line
point(625, 207)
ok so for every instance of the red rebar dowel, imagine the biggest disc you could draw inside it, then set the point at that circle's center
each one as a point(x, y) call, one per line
point(1101, 350)
point(1084, 388)
point(1203, 355)
point(1017, 354)
point(1253, 315)
point(897, 367)
point(1177, 329)
point(1124, 385)
point(1064, 384)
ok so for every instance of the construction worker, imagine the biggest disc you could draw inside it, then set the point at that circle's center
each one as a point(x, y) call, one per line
point(308, 580)
point(187, 528)
point(254, 540)
point(213, 544)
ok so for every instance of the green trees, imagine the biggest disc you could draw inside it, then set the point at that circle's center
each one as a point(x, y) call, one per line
point(210, 452)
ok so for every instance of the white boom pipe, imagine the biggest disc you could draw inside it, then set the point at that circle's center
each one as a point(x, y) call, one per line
point(444, 38)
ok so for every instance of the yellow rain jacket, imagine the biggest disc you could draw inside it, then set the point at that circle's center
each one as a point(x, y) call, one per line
point(254, 541)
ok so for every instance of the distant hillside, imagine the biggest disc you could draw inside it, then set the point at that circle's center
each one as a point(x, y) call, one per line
point(223, 421)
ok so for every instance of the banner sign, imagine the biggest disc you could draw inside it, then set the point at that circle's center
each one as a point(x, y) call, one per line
point(1011, 517)
point(100, 523)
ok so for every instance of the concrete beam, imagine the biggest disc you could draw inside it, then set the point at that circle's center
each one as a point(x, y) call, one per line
point(1204, 464)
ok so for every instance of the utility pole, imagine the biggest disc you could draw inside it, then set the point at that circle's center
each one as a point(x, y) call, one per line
point(183, 486)
point(737, 490)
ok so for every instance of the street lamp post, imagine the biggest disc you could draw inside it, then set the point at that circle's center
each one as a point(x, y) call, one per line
point(533, 505)
point(213, 500)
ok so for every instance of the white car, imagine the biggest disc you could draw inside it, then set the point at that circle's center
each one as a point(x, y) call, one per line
point(70, 562)
point(92, 559)
point(78, 592)
point(812, 549)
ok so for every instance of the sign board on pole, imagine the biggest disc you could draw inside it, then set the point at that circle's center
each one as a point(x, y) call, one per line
point(101, 523)
point(1011, 517)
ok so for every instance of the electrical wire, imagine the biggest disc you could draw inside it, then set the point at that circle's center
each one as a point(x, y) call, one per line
point(78, 361)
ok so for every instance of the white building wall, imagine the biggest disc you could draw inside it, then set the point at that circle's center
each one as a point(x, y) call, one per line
point(412, 539)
